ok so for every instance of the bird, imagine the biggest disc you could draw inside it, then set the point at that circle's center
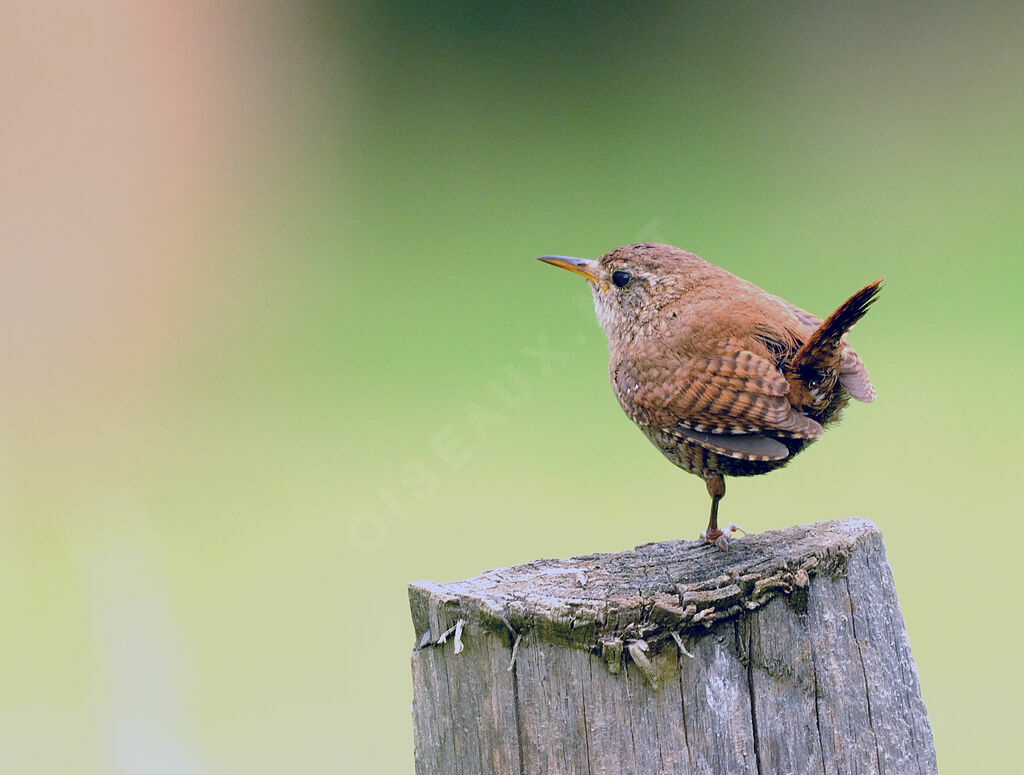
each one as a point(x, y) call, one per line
point(724, 378)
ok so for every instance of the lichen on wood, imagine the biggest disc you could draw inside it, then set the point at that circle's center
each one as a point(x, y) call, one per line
point(593, 600)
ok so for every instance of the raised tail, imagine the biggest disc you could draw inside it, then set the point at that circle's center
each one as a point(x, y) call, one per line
point(825, 341)
point(824, 360)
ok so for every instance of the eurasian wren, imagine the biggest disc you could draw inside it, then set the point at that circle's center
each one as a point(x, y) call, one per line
point(722, 377)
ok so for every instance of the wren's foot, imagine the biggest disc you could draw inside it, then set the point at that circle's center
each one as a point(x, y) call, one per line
point(721, 538)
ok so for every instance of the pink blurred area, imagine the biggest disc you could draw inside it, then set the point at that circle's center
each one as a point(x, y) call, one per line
point(142, 148)
point(130, 131)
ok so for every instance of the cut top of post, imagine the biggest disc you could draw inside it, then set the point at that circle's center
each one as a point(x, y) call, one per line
point(648, 593)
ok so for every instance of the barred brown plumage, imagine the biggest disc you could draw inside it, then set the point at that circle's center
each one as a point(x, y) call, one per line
point(722, 377)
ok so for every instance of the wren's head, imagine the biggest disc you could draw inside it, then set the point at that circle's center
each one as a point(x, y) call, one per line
point(632, 284)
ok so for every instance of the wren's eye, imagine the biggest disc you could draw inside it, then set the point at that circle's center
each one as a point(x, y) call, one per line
point(621, 278)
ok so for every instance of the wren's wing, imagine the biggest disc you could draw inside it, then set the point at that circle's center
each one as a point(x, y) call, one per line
point(726, 402)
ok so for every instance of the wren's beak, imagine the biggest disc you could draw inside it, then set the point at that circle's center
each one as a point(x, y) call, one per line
point(581, 266)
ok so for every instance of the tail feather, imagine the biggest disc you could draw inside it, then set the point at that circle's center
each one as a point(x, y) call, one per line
point(826, 340)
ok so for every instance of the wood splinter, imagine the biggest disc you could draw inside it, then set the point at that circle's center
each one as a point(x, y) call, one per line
point(515, 649)
point(455, 628)
point(637, 652)
point(679, 642)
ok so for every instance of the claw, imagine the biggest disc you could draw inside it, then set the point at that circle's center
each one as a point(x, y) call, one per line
point(720, 538)
point(733, 526)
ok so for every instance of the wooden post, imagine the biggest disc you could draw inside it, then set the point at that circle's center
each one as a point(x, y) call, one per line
point(786, 655)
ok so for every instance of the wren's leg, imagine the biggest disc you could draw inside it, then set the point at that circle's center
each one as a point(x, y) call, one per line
point(713, 535)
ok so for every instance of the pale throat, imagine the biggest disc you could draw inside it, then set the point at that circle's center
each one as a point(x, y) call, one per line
point(624, 326)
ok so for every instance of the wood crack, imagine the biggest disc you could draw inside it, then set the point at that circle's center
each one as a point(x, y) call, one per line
point(750, 691)
point(586, 726)
point(451, 704)
point(864, 672)
point(515, 708)
point(682, 713)
point(817, 712)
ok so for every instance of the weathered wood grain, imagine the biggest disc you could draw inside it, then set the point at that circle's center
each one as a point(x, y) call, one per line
point(786, 655)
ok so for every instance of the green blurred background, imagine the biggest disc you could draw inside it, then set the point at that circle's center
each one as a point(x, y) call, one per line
point(276, 344)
